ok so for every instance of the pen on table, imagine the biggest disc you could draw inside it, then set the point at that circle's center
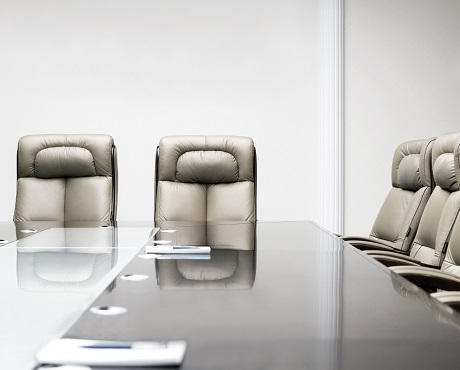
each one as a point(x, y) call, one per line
point(177, 247)
point(126, 345)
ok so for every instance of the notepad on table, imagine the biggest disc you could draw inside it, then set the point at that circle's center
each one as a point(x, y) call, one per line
point(177, 249)
point(66, 351)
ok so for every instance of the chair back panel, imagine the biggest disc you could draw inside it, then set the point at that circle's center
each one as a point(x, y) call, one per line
point(443, 206)
point(205, 178)
point(451, 263)
point(397, 221)
point(398, 218)
point(425, 240)
point(66, 178)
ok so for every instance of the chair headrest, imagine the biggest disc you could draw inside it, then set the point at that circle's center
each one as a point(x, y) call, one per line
point(64, 162)
point(51, 156)
point(207, 167)
point(206, 159)
point(445, 157)
point(411, 169)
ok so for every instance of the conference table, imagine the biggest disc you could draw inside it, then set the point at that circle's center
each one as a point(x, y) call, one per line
point(270, 295)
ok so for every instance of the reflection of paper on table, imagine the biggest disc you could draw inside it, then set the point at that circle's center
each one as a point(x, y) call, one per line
point(112, 353)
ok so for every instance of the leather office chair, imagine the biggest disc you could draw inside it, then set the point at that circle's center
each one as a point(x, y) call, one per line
point(205, 178)
point(448, 278)
point(440, 212)
point(66, 178)
point(397, 221)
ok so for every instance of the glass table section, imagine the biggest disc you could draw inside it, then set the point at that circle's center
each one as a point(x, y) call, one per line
point(49, 278)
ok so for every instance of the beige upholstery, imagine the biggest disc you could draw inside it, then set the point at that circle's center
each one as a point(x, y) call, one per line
point(205, 178)
point(66, 178)
point(440, 212)
point(448, 278)
point(397, 221)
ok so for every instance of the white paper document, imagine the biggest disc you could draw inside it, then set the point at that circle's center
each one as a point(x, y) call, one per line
point(67, 351)
point(177, 249)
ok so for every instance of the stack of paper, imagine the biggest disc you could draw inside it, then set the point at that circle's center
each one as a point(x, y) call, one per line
point(66, 351)
point(177, 249)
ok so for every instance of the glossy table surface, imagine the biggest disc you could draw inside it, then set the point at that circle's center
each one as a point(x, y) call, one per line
point(50, 276)
point(301, 299)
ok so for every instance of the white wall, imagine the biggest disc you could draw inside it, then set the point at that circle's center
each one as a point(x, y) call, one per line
point(143, 69)
point(140, 70)
point(402, 82)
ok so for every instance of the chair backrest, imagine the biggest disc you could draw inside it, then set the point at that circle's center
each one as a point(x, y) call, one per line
point(397, 221)
point(444, 204)
point(205, 178)
point(451, 262)
point(66, 178)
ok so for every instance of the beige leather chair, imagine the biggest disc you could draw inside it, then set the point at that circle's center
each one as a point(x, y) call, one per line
point(397, 221)
point(66, 178)
point(448, 277)
point(440, 212)
point(205, 178)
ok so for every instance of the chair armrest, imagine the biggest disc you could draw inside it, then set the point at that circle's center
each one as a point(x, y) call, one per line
point(395, 259)
point(450, 298)
point(392, 253)
point(428, 278)
point(355, 237)
point(369, 245)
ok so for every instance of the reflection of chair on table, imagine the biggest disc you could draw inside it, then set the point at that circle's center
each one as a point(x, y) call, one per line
point(441, 312)
point(232, 263)
point(65, 260)
point(227, 269)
